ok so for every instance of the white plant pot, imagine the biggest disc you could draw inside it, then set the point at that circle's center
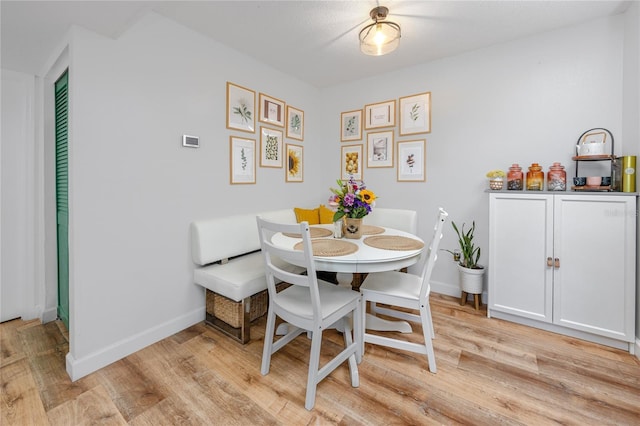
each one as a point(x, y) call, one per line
point(471, 279)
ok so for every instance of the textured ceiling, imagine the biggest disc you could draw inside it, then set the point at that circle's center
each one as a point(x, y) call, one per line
point(315, 41)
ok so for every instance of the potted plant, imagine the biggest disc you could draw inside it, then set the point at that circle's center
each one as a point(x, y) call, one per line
point(496, 179)
point(471, 272)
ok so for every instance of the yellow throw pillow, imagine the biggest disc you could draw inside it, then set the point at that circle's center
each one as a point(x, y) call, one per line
point(307, 215)
point(326, 214)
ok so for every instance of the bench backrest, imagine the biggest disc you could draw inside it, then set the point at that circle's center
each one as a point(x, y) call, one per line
point(229, 236)
point(404, 220)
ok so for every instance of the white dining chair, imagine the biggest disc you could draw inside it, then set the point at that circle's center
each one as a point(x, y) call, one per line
point(308, 305)
point(405, 290)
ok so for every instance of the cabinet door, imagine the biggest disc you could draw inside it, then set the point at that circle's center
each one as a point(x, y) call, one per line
point(594, 285)
point(520, 240)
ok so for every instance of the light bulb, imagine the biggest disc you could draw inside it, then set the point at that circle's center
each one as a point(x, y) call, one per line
point(379, 38)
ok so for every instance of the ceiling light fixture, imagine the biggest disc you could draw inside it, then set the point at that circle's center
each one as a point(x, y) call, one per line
point(382, 36)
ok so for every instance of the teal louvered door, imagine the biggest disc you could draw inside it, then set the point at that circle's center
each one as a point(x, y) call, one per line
point(62, 194)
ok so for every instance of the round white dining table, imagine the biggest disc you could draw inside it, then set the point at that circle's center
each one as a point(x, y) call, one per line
point(366, 259)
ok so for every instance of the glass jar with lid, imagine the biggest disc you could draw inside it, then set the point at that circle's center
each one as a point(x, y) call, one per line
point(556, 178)
point(535, 178)
point(515, 178)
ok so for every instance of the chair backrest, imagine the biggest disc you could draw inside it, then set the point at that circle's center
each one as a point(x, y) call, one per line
point(304, 258)
point(404, 220)
point(432, 253)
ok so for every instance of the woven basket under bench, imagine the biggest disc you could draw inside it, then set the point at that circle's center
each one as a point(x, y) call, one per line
point(228, 315)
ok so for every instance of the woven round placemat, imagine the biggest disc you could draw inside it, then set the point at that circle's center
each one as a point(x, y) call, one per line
point(330, 247)
point(393, 242)
point(371, 230)
point(314, 232)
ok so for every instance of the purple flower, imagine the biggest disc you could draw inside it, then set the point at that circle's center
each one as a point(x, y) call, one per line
point(349, 199)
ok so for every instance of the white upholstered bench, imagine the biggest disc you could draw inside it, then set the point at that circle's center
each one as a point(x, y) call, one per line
point(230, 268)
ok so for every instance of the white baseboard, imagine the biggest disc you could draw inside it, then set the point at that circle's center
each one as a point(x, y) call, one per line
point(449, 289)
point(49, 315)
point(78, 368)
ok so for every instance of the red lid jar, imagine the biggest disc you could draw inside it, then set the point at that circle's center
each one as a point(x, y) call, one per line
point(556, 178)
point(515, 178)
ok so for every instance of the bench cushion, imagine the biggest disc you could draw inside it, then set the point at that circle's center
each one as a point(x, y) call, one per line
point(242, 277)
point(309, 215)
point(326, 214)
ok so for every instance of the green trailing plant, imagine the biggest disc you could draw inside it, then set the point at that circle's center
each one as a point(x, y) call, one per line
point(469, 253)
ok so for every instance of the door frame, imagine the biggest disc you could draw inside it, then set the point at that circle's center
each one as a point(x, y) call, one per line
point(47, 254)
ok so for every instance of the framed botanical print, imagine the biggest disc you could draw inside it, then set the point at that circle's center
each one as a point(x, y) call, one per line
point(378, 115)
point(295, 123)
point(415, 114)
point(351, 162)
point(241, 104)
point(270, 147)
point(351, 126)
point(242, 160)
point(294, 163)
point(412, 161)
point(272, 110)
point(380, 149)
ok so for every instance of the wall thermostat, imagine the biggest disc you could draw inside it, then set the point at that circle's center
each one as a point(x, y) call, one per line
point(190, 141)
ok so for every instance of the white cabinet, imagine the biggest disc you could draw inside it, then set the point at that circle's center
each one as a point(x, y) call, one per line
point(565, 263)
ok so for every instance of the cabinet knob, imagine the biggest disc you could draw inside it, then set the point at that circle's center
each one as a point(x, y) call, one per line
point(549, 262)
point(557, 263)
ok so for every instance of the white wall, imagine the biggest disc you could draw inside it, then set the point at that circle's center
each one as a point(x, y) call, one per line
point(134, 189)
point(17, 285)
point(520, 102)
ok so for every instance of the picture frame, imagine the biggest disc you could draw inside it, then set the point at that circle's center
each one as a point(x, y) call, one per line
point(351, 162)
point(295, 123)
point(415, 114)
point(382, 114)
point(412, 161)
point(351, 126)
point(295, 163)
point(241, 106)
point(272, 110)
point(242, 161)
point(270, 147)
point(380, 149)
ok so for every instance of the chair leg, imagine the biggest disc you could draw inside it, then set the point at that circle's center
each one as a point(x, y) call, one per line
point(348, 341)
point(363, 319)
point(314, 364)
point(428, 308)
point(269, 335)
point(427, 327)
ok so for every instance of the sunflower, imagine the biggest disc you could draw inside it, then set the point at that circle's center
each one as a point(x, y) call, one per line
point(294, 163)
point(367, 196)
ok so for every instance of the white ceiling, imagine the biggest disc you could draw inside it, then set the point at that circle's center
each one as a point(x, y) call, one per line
point(315, 41)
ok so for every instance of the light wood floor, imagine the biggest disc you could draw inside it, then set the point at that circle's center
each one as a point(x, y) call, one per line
point(489, 372)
